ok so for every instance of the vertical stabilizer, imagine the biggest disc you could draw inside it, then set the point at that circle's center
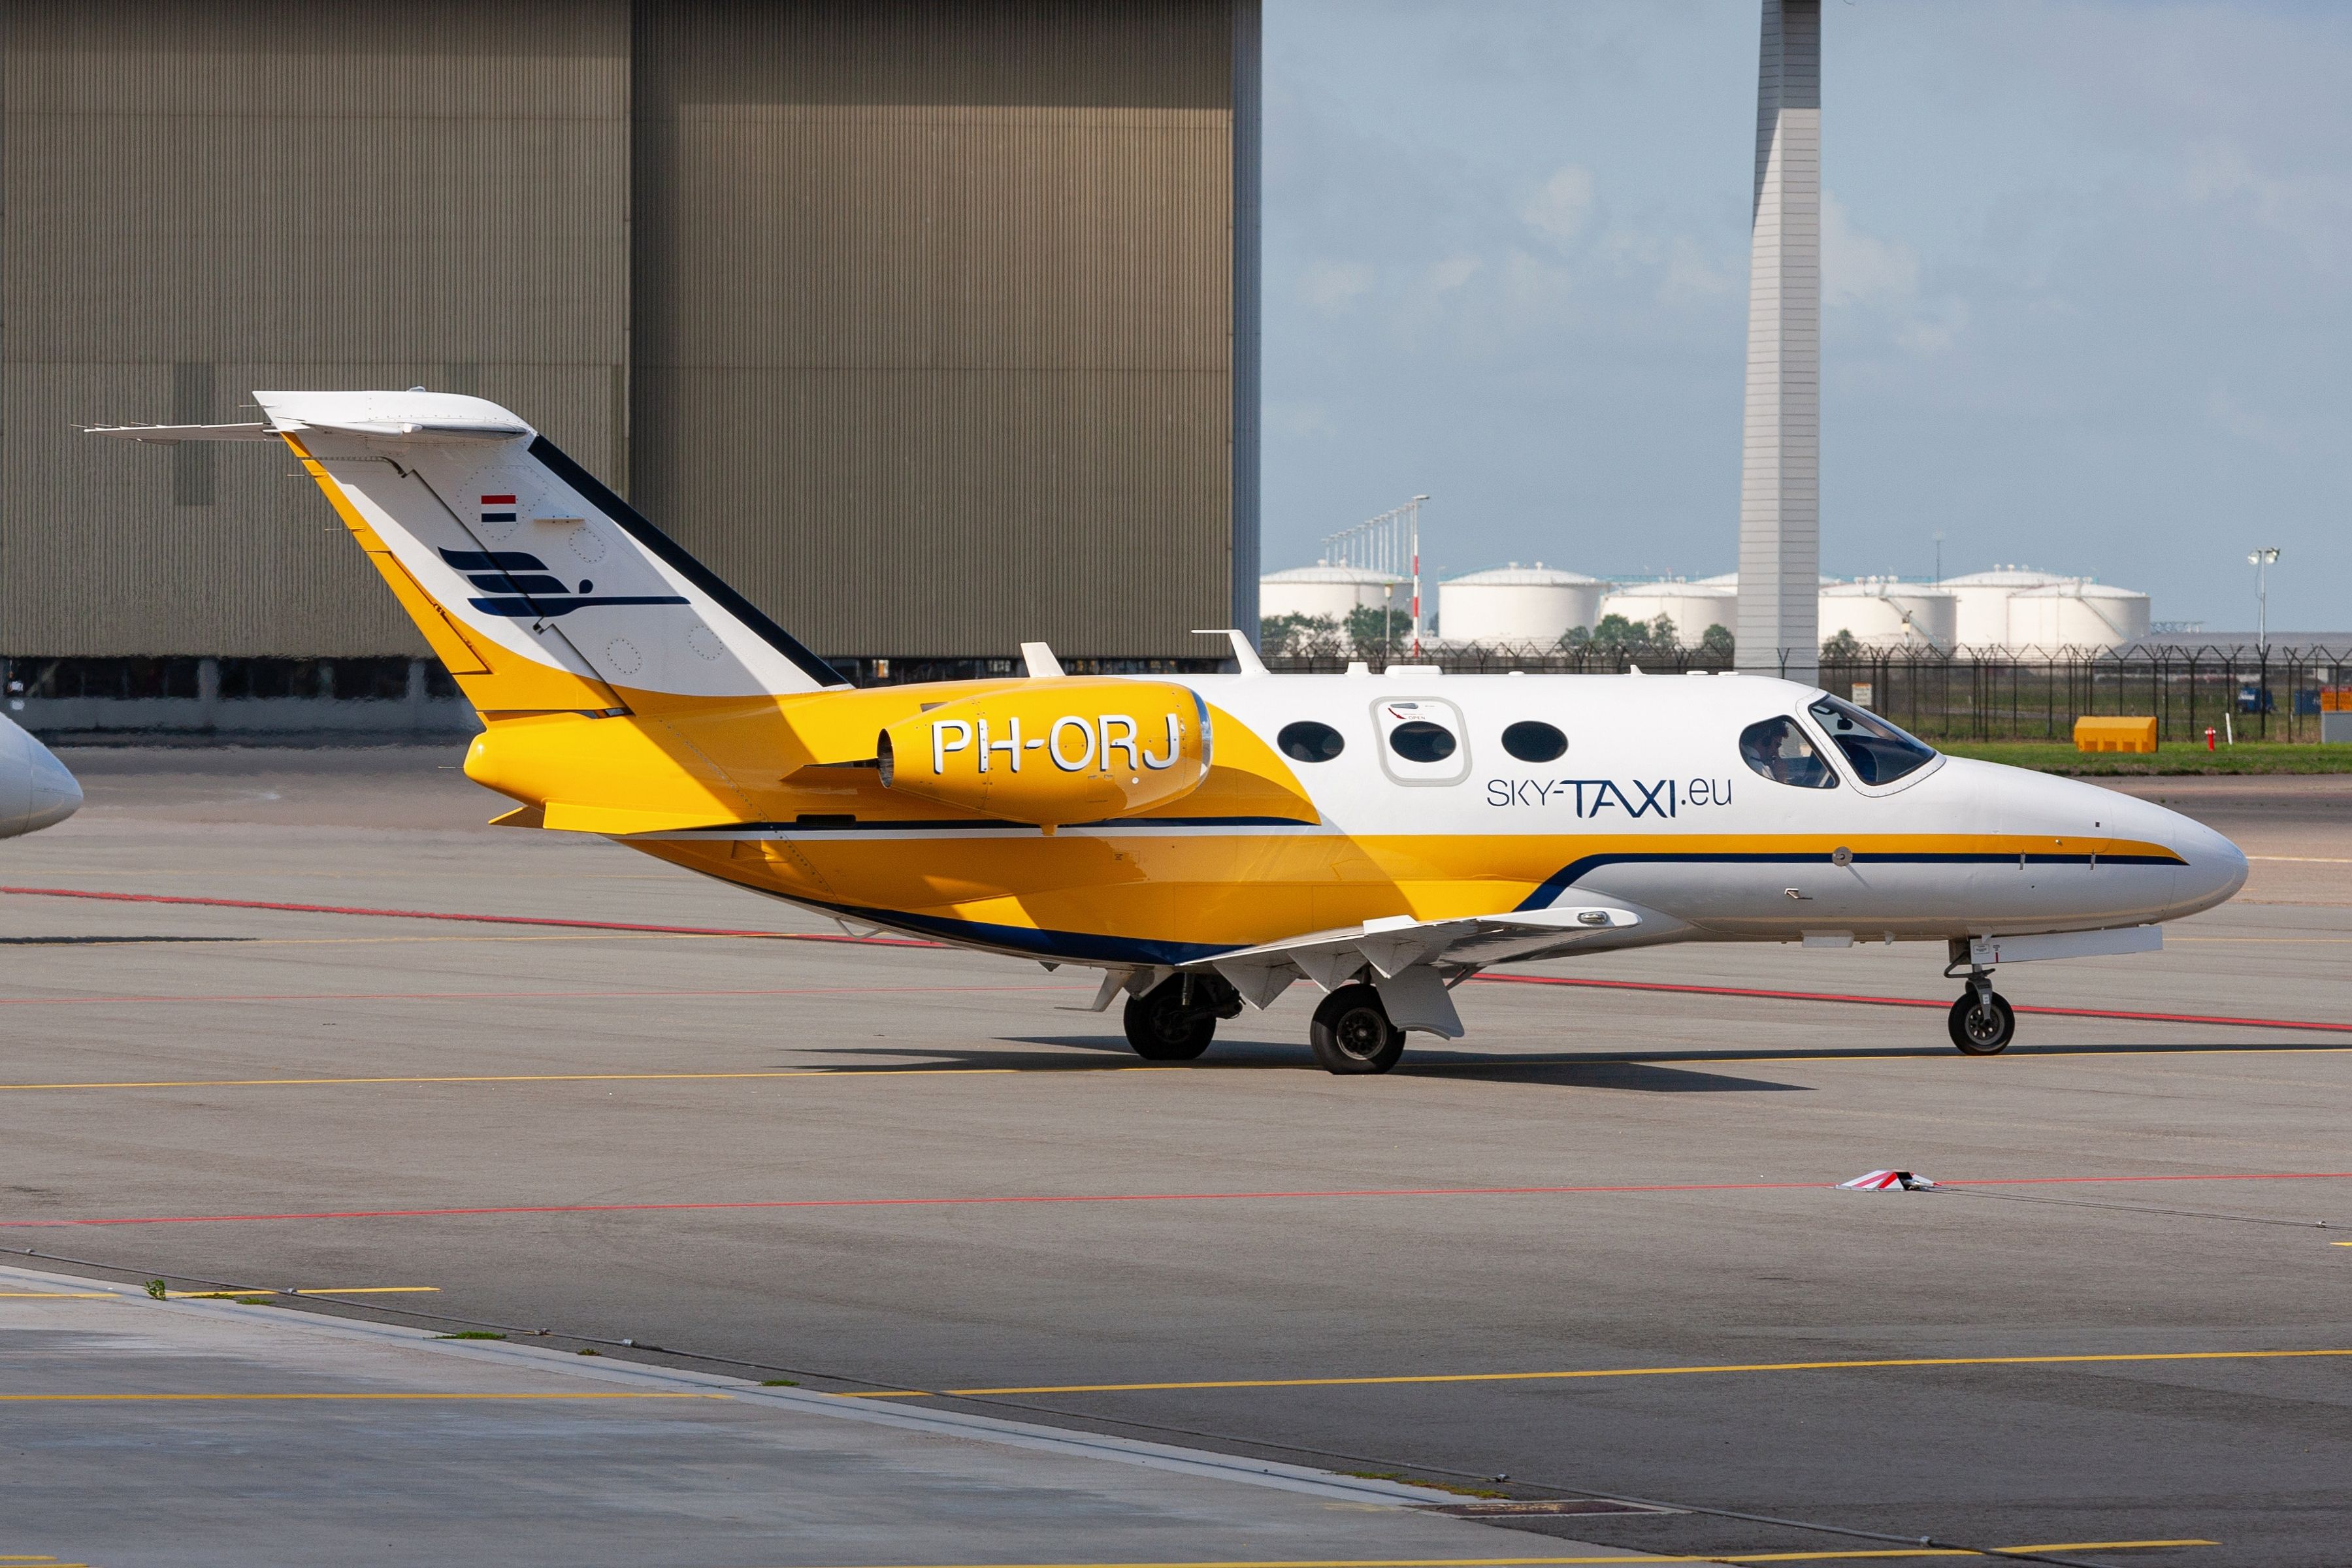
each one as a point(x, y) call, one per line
point(539, 587)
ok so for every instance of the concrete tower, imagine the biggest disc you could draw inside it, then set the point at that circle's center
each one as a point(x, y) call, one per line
point(1780, 470)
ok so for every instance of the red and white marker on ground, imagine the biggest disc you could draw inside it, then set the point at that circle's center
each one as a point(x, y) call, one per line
point(1888, 1181)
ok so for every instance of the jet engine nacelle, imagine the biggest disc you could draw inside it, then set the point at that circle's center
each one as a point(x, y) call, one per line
point(1053, 752)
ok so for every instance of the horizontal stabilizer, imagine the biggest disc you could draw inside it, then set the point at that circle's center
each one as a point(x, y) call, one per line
point(172, 435)
point(622, 821)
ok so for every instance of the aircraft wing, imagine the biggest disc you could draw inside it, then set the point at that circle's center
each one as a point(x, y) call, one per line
point(1402, 955)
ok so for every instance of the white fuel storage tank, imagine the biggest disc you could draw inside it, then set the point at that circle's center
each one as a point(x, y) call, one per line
point(1517, 605)
point(1323, 590)
point(2077, 614)
point(1692, 606)
point(1982, 599)
point(1887, 613)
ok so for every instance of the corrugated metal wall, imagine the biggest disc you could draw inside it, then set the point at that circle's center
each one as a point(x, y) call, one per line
point(932, 309)
point(915, 317)
point(203, 199)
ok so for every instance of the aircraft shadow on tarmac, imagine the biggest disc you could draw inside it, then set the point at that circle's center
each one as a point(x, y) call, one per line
point(1647, 1071)
point(1598, 1071)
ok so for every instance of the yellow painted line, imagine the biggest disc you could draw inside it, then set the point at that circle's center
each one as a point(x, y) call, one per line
point(306, 1290)
point(2300, 859)
point(1609, 1372)
point(525, 1078)
point(1625, 1558)
point(190, 1398)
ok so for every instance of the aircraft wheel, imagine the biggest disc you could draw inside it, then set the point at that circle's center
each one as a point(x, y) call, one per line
point(1351, 1033)
point(1982, 1030)
point(1164, 1027)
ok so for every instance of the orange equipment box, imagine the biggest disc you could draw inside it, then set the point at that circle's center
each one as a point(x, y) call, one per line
point(2114, 734)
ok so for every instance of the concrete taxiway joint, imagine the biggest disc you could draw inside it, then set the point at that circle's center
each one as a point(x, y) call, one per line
point(1327, 1484)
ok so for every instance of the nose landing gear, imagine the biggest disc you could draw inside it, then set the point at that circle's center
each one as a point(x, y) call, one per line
point(1981, 1025)
point(1981, 1021)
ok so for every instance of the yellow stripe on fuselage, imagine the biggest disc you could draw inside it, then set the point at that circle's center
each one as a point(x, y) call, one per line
point(1237, 887)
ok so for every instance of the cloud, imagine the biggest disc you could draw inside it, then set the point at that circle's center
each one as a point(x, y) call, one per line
point(1454, 271)
point(1935, 330)
point(1334, 287)
point(1857, 269)
point(1561, 204)
point(2246, 424)
point(2315, 211)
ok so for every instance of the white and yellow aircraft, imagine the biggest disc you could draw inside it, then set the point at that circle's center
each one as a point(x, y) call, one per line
point(1205, 841)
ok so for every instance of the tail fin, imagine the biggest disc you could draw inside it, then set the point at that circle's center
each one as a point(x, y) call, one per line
point(540, 588)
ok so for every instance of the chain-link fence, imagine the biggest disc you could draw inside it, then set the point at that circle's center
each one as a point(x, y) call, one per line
point(2028, 694)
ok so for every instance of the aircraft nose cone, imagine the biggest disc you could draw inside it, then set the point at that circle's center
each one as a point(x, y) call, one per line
point(2215, 867)
point(56, 793)
point(2212, 869)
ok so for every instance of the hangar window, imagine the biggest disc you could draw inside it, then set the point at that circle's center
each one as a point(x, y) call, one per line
point(1880, 752)
point(1779, 750)
point(1307, 742)
point(1419, 740)
point(1533, 740)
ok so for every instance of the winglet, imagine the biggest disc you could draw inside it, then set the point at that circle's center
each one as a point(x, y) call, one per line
point(1245, 656)
point(1039, 658)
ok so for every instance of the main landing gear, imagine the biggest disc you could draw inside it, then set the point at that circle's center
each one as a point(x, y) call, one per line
point(1176, 1019)
point(1981, 1021)
point(1351, 1033)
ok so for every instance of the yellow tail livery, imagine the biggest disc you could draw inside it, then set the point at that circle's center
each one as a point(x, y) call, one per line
point(1205, 841)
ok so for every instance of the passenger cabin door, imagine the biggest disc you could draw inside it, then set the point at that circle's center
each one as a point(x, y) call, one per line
point(1423, 741)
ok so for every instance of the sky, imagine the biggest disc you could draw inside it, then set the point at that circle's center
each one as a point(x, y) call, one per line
point(2087, 288)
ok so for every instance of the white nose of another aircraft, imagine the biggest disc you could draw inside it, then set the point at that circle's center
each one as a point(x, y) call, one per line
point(35, 789)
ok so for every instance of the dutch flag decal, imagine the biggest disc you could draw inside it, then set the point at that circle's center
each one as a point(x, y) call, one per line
point(497, 508)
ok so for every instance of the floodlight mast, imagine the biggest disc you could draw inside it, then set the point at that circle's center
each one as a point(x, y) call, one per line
point(2261, 561)
point(1389, 544)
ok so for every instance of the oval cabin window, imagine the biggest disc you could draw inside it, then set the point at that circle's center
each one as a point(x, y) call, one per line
point(1307, 742)
point(1532, 741)
point(1422, 742)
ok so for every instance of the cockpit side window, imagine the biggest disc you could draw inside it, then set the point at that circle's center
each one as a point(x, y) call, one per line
point(1778, 749)
point(1880, 752)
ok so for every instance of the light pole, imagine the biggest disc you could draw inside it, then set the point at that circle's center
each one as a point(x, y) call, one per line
point(1939, 555)
point(1387, 622)
point(1416, 574)
point(2261, 560)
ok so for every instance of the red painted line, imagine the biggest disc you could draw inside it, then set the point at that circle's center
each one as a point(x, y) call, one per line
point(1911, 1002)
point(1021, 1199)
point(446, 915)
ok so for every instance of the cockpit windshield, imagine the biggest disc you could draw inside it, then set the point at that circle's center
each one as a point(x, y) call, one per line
point(1880, 752)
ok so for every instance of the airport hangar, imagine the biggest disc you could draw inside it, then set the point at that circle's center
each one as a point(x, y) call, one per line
point(929, 324)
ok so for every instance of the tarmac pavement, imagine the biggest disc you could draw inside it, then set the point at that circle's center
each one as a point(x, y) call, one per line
point(1596, 1247)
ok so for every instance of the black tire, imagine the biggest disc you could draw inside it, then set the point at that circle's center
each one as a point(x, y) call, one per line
point(1351, 1033)
point(1980, 1030)
point(1164, 1027)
